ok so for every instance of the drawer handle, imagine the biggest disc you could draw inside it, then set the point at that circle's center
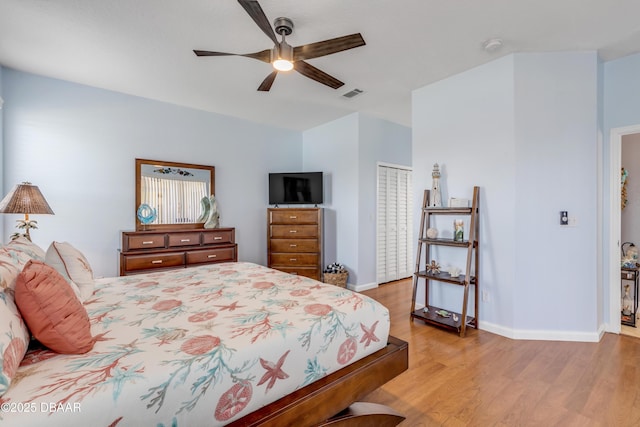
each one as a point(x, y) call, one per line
point(156, 261)
point(185, 240)
point(293, 246)
point(212, 256)
point(293, 217)
point(217, 238)
point(293, 231)
point(293, 259)
point(149, 242)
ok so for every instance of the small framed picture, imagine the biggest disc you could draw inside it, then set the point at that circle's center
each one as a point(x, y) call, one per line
point(458, 230)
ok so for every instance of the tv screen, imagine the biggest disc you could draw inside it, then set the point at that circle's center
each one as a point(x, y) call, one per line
point(295, 188)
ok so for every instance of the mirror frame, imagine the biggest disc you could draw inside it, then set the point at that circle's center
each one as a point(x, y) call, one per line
point(178, 226)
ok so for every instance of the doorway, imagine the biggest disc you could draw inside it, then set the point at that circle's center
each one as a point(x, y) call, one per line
point(615, 214)
point(630, 227)
point(394, 221)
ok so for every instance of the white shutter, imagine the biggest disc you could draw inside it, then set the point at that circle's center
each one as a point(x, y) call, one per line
point(394, 224)
point(382, 225)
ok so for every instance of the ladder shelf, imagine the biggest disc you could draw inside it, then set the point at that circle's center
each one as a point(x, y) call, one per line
point(456, 321)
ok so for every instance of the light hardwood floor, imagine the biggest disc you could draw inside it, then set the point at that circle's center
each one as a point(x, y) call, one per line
point(489, 380)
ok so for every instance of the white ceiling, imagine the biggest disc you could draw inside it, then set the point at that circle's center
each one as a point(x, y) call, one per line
point(144, 48)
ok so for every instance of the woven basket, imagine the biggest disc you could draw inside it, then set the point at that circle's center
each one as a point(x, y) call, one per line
point(338, 279)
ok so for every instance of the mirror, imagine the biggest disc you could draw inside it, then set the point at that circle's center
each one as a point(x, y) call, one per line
point(174, 190)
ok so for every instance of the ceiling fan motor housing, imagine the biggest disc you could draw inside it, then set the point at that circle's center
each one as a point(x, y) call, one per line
point(283, 26)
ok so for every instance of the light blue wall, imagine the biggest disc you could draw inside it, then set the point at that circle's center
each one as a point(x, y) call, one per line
point(348, 150)
point(524, 129)
point(556, 116)
point(333, 149)
point(466, 124)
point(380, 141)
point(78, 144)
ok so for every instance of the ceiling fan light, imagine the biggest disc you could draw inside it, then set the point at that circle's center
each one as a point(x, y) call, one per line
point(282, 65)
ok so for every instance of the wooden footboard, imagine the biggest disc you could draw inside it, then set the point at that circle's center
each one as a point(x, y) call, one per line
point(317, 403)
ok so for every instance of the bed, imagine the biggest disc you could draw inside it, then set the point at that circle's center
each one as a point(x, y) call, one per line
point(230, 343)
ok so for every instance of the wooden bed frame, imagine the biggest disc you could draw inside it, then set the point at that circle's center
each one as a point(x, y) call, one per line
point(330, 400)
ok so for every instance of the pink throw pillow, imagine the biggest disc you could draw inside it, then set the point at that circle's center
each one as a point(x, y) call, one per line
point(51, 310)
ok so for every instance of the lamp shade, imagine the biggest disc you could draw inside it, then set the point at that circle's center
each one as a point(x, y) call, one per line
point(25, 198)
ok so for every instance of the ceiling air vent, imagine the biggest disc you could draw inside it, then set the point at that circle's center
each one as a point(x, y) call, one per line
point(353, 93)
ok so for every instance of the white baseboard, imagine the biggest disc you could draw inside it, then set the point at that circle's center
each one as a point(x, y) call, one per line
point(543, 335)
point(363, 287)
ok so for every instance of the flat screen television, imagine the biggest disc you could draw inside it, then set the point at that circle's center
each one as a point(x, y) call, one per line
point(295, 188)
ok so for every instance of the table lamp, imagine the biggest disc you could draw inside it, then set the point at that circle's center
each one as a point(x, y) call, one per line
point(26, 199)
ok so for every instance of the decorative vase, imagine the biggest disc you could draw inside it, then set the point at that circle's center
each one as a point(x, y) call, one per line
point(214, 217)
point(146, 215)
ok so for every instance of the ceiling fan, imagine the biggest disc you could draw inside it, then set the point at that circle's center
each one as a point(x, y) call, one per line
point(283, 56)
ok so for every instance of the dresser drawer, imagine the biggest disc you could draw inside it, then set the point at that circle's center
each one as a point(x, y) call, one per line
point(184, 239)
point(222, 236)
point(143, 262)
point(145, 241)
point(293, 231)
point(294, 245)
point(311, 272)
point(294, 259)
point(212, 255)
point(293, 217)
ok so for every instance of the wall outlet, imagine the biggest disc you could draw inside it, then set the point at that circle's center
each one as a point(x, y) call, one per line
point(485, 296)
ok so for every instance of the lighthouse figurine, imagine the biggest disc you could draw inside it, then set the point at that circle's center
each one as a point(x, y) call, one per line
point(435, 198)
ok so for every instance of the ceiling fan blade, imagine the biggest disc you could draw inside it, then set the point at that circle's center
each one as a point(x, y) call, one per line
point(313, 73)
point(327, 47)
point(210, 53)
point(263, 55)
point(257, 14)
point(266, 83)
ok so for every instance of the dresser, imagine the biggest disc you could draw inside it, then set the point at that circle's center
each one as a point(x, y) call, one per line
point(294, 241)
point(145, 251)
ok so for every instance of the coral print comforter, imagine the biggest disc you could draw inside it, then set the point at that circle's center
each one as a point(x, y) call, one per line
point(195, 347)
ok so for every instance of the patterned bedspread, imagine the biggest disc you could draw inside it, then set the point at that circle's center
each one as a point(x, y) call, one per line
point(196, 347)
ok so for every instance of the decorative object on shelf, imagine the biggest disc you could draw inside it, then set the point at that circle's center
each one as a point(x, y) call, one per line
point(455, 317)
point(627, 302)
point(146, 215)
point(433, 268)
point(458, 230)
point(426, 309)
point(336, 274)
point(26, 199)
point(456, 202)
point(454, 272)
point(436, 196)
point(210, 215)
point(623, 183)
point(443, 313)
point(432, 233)
point(629, 256)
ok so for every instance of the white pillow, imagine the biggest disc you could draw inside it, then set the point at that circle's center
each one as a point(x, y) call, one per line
point(73, 266)
point(22, 244)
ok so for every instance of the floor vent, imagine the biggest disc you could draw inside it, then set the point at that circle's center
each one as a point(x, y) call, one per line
point(353, 93)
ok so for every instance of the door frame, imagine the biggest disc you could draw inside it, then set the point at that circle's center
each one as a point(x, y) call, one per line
point(396, 166)
point(615, 213)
